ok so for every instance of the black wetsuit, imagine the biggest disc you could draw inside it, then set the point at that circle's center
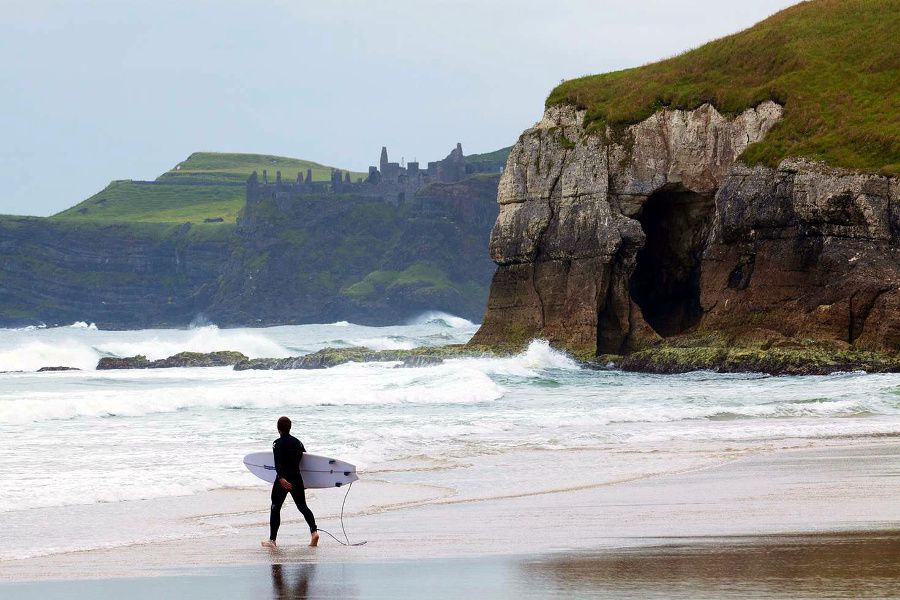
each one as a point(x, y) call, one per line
point(288, 450)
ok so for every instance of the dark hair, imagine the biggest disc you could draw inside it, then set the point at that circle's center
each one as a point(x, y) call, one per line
point(284, 425)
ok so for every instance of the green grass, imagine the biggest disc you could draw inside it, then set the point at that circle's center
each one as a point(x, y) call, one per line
point(222, 166)
point(208, 185)
point(159, 203)
point(496, 156)
point(833, 64)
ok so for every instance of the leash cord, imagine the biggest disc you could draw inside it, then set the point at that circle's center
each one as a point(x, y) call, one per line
point(346, 537)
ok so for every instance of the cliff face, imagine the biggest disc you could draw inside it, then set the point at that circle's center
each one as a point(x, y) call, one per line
point(316, 260)
point(608, 242)
point(116, 275)
point(352, 258)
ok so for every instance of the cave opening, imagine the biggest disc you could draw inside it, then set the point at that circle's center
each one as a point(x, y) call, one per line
point(666, 279)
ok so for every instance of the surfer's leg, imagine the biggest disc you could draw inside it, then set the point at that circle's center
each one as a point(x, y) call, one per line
point(278, 496)
point(299, 496)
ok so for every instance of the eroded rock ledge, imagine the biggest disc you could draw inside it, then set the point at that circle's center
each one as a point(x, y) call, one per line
point(321, 359)
point(617, 243)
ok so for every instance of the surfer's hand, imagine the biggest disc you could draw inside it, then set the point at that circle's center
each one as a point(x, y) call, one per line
point(285, 483)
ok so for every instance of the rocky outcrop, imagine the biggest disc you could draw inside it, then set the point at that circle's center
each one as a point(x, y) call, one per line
point(332, 357)
point(612, 242)
point(223, 358)
point(325, 358)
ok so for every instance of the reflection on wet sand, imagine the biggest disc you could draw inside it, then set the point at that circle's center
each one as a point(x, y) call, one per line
point(298, 582)
point(861, 565)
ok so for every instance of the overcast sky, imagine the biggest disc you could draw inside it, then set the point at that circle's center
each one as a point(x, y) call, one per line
point(99, 90)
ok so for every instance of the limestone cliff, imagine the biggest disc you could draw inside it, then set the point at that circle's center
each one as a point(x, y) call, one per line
point(609, 241)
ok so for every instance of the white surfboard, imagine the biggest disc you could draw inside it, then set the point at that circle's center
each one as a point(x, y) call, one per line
point(317, 471)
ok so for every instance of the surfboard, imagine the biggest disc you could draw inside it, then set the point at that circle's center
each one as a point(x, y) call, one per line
point(317, 471)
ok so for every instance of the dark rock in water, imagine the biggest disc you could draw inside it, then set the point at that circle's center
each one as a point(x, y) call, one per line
point(131, 362)
point(321, 359)
point(48, 369)
point(814, 360)
point(331, 357)
point(225, 358)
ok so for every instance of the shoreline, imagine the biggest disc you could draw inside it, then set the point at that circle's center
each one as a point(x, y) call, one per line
point(640, 501)
point(852, 563)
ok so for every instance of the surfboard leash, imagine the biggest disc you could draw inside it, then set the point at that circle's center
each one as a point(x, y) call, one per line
point(346, 537)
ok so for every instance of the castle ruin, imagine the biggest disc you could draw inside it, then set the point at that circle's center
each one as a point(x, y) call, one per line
point(390, 181)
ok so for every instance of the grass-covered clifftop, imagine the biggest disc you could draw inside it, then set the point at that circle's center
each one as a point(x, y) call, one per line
point(833, 64)
point(208, 185)
point(234, 167)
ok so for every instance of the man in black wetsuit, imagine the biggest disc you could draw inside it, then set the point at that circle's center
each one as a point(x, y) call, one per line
point(288, 451)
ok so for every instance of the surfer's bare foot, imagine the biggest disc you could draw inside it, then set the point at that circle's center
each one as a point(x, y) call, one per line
point(268, 544)
point(314, 541)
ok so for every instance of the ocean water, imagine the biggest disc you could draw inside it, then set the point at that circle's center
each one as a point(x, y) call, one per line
point(87, 437)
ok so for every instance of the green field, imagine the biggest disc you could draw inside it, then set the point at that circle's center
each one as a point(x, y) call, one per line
point(221, 166)
point(833, 64)
point(159, 203)
point(490, 157)
point(208, 185)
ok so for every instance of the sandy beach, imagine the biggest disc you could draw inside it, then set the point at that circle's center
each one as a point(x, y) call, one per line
point(640, 525)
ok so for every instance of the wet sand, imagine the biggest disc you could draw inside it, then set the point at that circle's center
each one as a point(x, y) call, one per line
point(859, 565)
point(798, 521)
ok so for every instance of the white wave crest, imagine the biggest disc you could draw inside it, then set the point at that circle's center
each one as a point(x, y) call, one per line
point(83, 325)
point(33, 355)
point(340, 324)
point(436, 317)
point(390, 342)
point(202, 339)
point(352, 384)
point(536, 358)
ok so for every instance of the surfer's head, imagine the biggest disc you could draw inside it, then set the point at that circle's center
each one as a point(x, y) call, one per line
point(284, 425)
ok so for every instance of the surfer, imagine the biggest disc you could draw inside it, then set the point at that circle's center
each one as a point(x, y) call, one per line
point(288, 451)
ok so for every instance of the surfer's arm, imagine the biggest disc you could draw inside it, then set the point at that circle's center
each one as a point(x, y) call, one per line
point(278, 455)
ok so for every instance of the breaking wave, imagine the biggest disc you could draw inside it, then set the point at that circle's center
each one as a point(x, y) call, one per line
point(32, 355)
point(442, 319)
point(82, 345)
point(208, 338)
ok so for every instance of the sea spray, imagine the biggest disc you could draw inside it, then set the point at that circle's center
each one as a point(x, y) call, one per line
point(442, 319)
point(32, 355)
point(208, 338)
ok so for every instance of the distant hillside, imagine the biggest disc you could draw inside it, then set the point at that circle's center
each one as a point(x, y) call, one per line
point(833, 64)
point(208, 185)
point(160, 253)
point(205, 186)
point(236, 168)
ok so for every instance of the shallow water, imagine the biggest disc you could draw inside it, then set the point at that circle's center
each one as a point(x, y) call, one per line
point(859, 566)
point(102, 436)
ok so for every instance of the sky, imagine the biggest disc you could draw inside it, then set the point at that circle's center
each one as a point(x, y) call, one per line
point(97, 90)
